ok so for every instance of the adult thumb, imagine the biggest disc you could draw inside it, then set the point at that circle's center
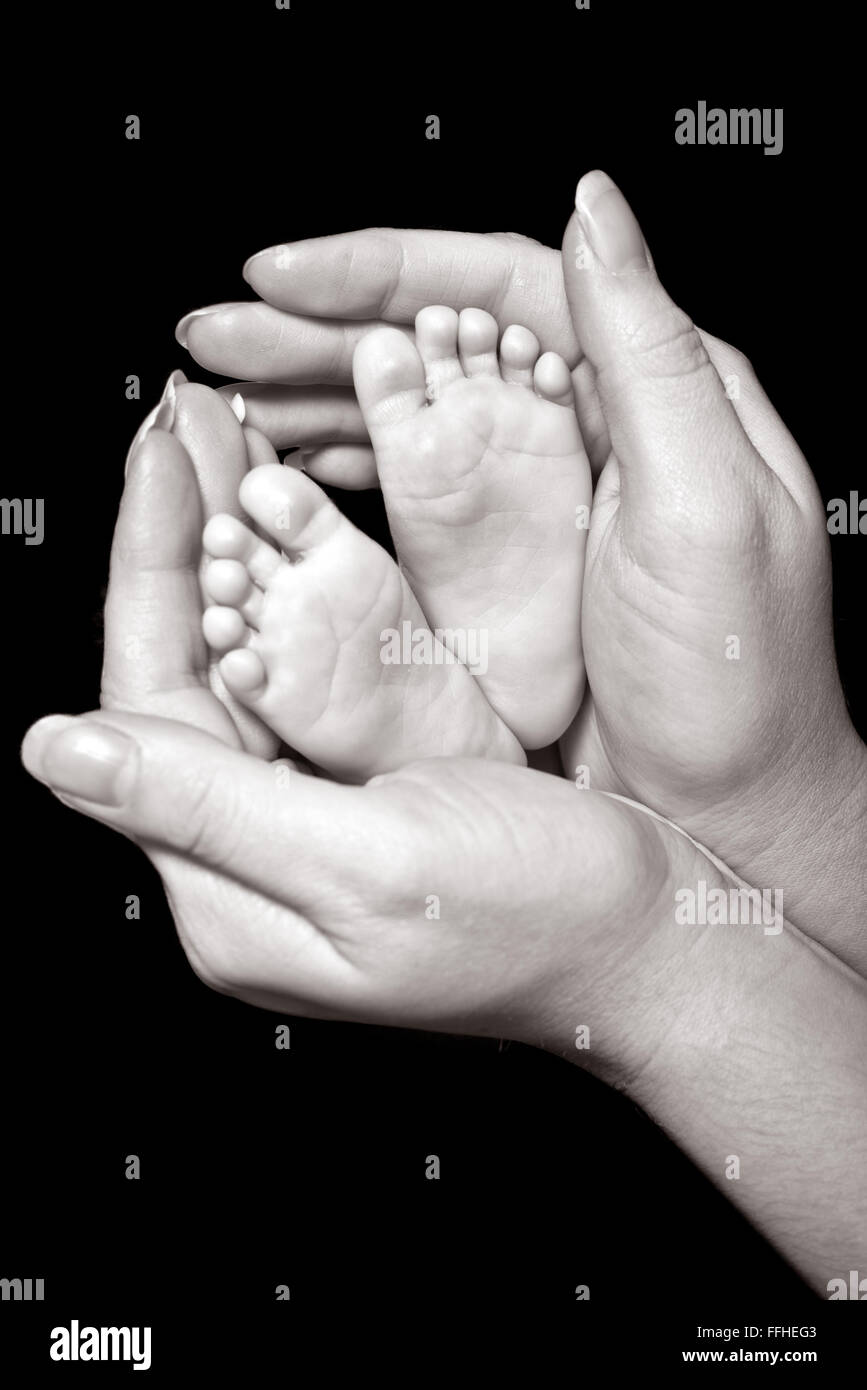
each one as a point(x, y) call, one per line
point(167, 784)
point(672, 427)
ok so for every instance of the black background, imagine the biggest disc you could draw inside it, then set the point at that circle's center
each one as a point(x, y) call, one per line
point(306, 1167)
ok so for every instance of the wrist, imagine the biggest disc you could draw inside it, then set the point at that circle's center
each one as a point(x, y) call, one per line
point(762, 1080)
point(653, 965)
point(809, 839)
point(747, 1043)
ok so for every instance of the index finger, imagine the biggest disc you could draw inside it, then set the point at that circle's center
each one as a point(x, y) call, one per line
point(388, 274)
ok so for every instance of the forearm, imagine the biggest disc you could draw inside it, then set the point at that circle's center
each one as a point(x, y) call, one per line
point(762, 1079)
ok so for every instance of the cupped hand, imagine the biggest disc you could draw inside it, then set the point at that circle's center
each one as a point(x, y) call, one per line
point(715, 696)
point(706, 608)
point(320, 297)
point(169, 516)
point(454, 894)
point(469, 896)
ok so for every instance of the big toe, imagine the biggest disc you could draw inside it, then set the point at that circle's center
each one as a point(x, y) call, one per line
point(289, 507)
point(389, 377)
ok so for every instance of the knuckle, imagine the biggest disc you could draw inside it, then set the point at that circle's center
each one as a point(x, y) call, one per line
point(742, 528)
point(668, 344)
point(391, 266)
point(200, 815)
point(516, 236)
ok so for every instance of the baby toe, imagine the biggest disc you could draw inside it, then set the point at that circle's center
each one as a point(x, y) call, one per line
point(477, 343)
point(519, 349)
point(388, 375)
point(436, 337)
point(228, 584)
point(553, 380)
point(244, 673)
point(290, 507)
point(224, 628)
point(225, 537)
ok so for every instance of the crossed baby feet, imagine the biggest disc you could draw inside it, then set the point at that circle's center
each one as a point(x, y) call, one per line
point(471, 645)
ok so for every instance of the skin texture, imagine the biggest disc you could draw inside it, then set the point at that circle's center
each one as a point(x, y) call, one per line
point(309, 665)
point(555, 906)
point(707, 524)
point(483, 472)
point(358, 944)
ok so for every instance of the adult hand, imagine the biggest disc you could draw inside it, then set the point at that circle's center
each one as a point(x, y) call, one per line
point(706, 611)
point(707, 527)
point(216, 446)
point(391, 901)
point(322, 295)
point(464, 895)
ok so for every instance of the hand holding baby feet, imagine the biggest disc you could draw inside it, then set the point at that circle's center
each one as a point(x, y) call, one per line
point(305, 632)
point(707, 596)
point(487, 488)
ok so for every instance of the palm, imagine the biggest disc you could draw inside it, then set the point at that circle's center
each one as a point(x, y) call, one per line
point(684, 624)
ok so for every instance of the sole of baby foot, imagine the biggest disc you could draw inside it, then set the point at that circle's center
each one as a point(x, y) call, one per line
point(322, 638)
point(488, 490)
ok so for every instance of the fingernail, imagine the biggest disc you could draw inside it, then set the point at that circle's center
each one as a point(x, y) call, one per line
point(162, 417)
point(277, 254)
point(83, 759)
point(177, 378)
point(610, 225)
point(238, 407)
point(183, 327)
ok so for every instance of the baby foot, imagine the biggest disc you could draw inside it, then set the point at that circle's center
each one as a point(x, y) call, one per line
point(487, 488)
point(304, 635)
